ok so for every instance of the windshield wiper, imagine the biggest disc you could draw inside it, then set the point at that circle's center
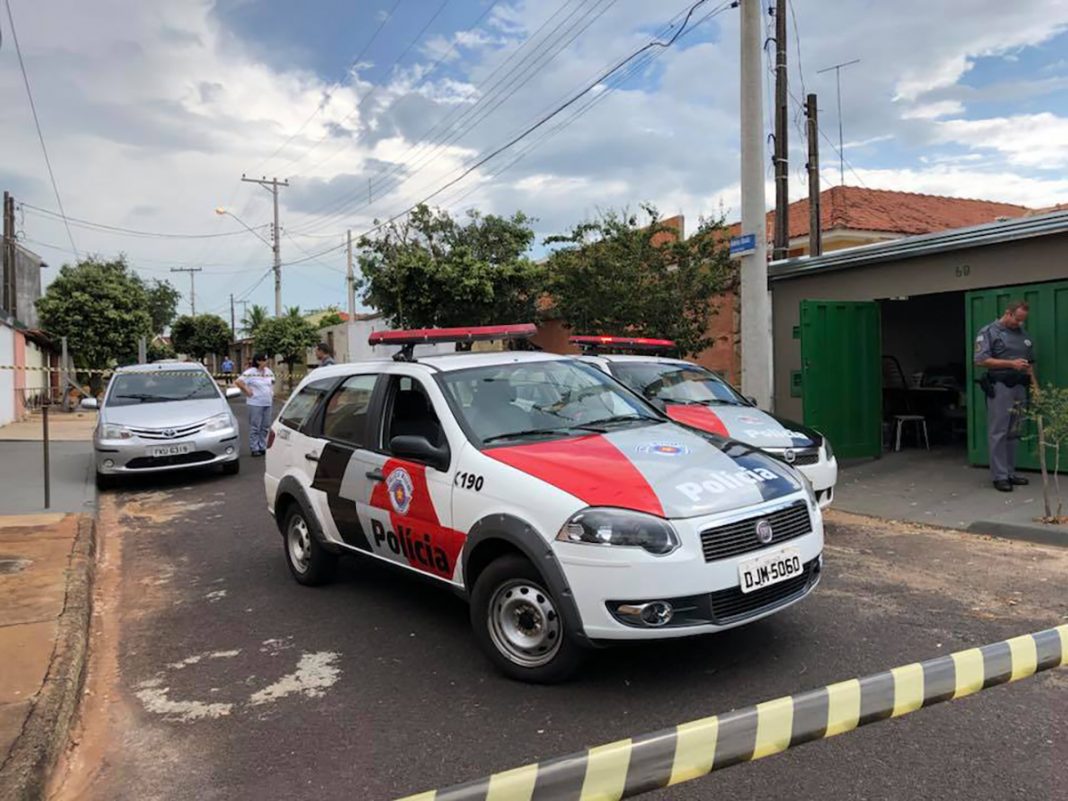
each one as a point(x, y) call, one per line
point(617, 418)
point(530, 432)
point(141, 396)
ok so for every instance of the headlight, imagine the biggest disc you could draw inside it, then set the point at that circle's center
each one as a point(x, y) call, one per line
point(827, 449)
point(112, 431)
point(219, 422)
point(620, 527)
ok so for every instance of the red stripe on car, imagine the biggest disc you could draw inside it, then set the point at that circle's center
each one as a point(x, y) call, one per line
point(590, 468)
point(420, 538)
point(699, 417)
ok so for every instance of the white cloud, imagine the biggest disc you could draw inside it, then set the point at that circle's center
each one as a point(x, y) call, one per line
point(1027, 140)
point(932, 111)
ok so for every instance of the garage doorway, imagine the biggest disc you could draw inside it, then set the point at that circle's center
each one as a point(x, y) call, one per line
point(924, 372)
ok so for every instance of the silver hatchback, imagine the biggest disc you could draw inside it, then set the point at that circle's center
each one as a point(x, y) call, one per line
point(157, 417)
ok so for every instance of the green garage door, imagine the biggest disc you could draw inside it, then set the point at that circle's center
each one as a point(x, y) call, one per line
point(1048, 326)
point(841, 374)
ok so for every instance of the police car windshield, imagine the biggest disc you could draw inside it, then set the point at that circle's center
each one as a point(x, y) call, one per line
point(129, 389)
point(676, 383)
point(531, 400)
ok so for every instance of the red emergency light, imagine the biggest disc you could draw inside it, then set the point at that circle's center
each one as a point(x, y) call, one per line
point(622, 343)
point(421, 336)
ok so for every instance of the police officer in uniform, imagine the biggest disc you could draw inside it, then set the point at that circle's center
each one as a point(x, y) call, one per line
point(1005, 349)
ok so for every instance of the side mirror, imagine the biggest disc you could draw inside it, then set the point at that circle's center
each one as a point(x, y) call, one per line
point(89, 404)
point(232, 392)
point(420, 449)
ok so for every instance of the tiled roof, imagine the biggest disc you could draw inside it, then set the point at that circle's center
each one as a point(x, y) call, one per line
point(904, 213)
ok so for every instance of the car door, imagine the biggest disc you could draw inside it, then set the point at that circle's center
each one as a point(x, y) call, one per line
point(342, 430)
point(408, 508)
point(290, 443)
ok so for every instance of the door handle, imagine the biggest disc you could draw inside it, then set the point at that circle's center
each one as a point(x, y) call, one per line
point(312, 457)
point(375, 475)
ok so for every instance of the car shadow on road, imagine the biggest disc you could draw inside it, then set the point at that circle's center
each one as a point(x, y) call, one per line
point(440, 619)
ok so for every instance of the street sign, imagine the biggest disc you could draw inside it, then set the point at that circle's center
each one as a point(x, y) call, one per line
point(743, 245)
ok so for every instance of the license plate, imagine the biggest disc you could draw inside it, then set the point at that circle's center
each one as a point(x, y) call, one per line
point(768, 569)
point(158, 451)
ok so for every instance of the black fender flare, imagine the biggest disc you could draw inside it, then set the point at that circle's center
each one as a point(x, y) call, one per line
point(524, 538)
point(290, 487)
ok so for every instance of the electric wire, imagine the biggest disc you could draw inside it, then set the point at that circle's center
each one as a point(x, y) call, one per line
point(104, 227)
point(37, 125)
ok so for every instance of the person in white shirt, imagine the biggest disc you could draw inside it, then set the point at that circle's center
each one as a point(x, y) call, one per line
point(257, 382)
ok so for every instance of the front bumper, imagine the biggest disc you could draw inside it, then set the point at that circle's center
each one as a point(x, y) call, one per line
point(129, 456)
point(824, 476)
point(705, 595)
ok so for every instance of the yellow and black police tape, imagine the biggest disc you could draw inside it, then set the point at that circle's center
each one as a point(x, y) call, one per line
point(691, 750)
point(106, 371)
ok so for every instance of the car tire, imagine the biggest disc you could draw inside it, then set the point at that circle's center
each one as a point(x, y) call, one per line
point(105, 481)
point(517, 623)
point(231, 468)
point(310, 563)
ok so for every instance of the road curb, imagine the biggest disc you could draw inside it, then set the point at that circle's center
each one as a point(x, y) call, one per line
point(1038, 533)
point(44, 735)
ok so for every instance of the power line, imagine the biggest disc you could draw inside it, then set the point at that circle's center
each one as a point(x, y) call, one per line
point(462, 120)
point(37, 125)
point(797, 43)
point(95, 226)
point(651, 46)
point(373, 90)
point(334, 87)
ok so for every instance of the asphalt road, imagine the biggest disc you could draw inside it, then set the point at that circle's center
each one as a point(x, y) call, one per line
point(215, 676)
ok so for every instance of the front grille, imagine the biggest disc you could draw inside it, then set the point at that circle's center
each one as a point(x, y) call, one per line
point(143, 462)
point(731, 605)
point(801, 457)
point(740, 536)
point(157, 433)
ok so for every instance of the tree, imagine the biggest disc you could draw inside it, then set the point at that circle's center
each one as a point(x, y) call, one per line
point(622, 275)
point(287, 337)
point(253, 318)
point(159, 349)
point(1049, 410)
point(198, 336)
point(293, 311)
point(332, 317)
point(162, 304)
point(431, 270)
point(101, 307)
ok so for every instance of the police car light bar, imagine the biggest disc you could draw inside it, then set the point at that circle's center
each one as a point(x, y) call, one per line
point(622, 343)
point(421, 336)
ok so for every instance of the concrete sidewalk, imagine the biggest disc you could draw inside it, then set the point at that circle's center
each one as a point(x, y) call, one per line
point(62, 427)
point(45, 597)
point(939, 488)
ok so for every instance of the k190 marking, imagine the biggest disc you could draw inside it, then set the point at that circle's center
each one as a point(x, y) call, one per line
point(468, 481)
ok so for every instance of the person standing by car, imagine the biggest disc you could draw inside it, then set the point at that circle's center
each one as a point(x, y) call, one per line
point(257, 382)
point(1005, 349)
point(325, 354)
point(228, 370)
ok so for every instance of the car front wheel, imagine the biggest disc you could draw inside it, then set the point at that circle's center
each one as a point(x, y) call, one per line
point(517, 622)
point(308, 561)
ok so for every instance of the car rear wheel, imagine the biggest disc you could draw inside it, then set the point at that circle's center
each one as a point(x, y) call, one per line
point(308, 561)
point(517, 622)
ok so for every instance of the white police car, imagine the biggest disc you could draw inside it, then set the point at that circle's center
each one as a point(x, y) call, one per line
point(695, 396)
point(568, 510)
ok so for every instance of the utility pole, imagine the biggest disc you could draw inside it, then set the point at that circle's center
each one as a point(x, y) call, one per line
point(350, 279)
point(755, 300)
point(841, 144)
point(272, 187)
point(192, 285)
point(782, 144)
point(815, 219)
point(233, 318)
point(9, 292)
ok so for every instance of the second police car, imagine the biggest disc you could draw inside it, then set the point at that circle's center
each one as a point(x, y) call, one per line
point(568, 510)
point(697, 397)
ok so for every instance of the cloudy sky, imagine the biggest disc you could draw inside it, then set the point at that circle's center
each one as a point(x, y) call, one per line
point(152, 111)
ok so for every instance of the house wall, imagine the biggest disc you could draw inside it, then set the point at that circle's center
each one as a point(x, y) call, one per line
point(7, 377)
point(1020, 262)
